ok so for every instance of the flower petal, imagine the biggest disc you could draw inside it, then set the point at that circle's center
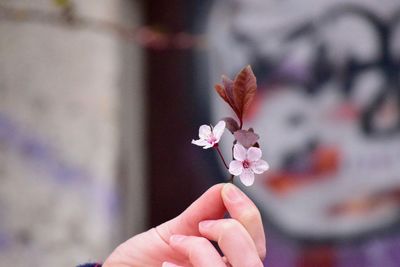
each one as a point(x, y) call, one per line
point(254, 154)
point(247, 177)
point(208, 145)
point(204, 131)
point(235, 167)
point(239, 152)
point(219, 130)
point(199, 142)
point(259, 166)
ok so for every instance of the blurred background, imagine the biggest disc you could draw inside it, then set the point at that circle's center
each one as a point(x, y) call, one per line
point(99, 100)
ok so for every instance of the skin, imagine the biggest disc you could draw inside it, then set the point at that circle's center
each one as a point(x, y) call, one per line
point(186, 239)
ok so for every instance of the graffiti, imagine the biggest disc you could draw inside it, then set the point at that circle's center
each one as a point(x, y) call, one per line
point(323, 69)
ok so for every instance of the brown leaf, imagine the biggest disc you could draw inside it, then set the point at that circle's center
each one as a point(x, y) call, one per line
point(246, 138)
point(231, 124)
point(225, 91)
point(221, 91)
point(238, 93)
point(228, 85)
point(244, 90)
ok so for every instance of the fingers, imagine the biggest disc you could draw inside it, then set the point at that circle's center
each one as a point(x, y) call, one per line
point(242, 209)
point(212, 205)
point(234, 241)
point(207, 206)
point(198, 250)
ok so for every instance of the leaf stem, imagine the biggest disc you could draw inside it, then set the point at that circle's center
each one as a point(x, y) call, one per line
point(220, 155)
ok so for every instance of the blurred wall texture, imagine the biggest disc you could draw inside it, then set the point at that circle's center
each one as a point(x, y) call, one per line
point(68, 78)
point(328, 113)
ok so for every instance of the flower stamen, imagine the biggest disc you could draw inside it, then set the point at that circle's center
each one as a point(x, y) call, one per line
point(246, 164)
point(212, 140)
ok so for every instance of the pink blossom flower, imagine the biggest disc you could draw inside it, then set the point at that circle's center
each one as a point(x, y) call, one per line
point(247, 162)
point(209, 137)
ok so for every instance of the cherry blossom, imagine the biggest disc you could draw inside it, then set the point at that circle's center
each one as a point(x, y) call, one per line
point(247, 163)
point(210, 136)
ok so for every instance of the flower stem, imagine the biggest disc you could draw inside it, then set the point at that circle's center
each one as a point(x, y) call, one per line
point(222, 157)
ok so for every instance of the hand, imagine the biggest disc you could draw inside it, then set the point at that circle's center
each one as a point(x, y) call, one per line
point(185, 240)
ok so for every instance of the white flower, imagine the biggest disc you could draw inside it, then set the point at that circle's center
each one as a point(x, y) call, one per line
point(209, 137)
point(246, 163)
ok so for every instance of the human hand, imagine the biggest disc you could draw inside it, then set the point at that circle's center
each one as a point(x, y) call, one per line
point(185, 240)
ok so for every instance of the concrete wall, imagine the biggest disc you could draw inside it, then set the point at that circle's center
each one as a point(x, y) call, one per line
point(71, 110)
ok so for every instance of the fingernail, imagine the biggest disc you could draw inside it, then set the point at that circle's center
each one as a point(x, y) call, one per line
point(233, 193)
point(168, 264)
point(206, 224)
point(176, 238)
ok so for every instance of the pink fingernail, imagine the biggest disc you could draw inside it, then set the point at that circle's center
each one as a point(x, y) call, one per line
point(232, 193)
point(176, 238)
point(169, 264)
point(206, 224)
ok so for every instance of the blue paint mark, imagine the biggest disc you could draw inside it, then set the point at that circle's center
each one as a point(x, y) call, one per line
point(39, 153)
point(5, 241)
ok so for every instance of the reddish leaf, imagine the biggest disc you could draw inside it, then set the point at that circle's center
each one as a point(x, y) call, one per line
point(228, 85)
point(223, 94)
point(246, 138)
point(244, 90)
point(238, 93)
point(231, 124)
point(221, 91)
point(225, 91)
